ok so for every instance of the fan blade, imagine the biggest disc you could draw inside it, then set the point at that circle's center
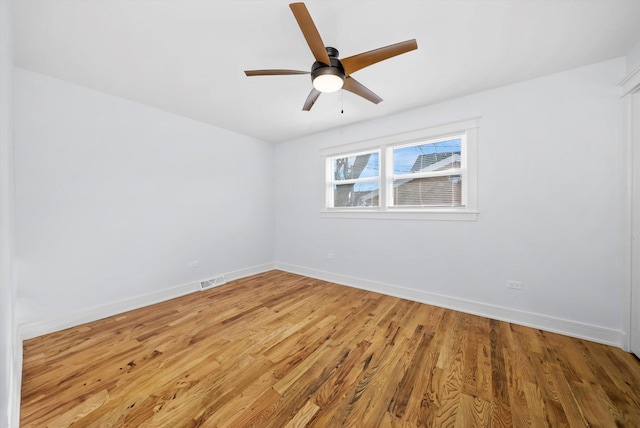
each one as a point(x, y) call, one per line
point(365, 59)
point(311, 99)
point(310, 32)
point(274, 72)
point(352, 85)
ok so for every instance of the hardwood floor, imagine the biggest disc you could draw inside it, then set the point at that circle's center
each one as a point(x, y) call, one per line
point(281, 350)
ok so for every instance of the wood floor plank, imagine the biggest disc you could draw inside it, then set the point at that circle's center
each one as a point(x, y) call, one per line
point(474, 412)
point(304, 416)
point(282, 350)
point(501, 411)
point(483, 382)
point(330, 397)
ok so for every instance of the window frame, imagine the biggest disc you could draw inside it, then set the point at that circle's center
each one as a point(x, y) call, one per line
point(385, 145)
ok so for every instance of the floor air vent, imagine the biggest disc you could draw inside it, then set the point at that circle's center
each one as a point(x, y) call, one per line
point(212, 282)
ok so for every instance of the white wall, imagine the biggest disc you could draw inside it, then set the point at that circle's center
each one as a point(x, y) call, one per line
point(114, 199)
point(550, 190)
point(10, 349)
point(633, 58)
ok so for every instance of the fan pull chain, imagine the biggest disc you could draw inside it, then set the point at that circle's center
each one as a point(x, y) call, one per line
point(342, 102)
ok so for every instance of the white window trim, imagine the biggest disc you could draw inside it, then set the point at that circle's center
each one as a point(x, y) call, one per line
point(384, 144)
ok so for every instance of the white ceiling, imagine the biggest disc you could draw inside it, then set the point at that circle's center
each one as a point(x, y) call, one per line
point(188, 57)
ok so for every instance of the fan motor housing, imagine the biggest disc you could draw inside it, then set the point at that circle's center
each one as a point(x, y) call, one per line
point(335, 68)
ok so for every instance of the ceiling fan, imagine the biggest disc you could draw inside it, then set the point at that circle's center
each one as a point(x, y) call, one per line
point(328, 72)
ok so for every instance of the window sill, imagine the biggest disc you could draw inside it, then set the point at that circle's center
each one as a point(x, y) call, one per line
point(445, 215)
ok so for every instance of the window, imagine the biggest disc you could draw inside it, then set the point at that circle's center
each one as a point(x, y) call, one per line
point(424, 174)
point(355, 176)
point(428, 174)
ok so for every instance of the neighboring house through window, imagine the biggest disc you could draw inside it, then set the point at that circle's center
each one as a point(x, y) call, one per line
point(428, 174)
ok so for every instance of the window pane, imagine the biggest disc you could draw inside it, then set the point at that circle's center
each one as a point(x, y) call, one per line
point(430, 191)
point(356, 195)
point(363, 165)
point(427, 157)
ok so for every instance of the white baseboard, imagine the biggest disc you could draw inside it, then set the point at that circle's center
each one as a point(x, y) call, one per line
point(254, 270)
point(45, 326)
point(566, 327)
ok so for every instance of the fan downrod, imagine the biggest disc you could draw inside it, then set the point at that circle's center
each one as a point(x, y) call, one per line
point(332, 52)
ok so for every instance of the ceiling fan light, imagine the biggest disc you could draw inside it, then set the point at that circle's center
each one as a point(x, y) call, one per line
point(327, 78)
point(328, 83)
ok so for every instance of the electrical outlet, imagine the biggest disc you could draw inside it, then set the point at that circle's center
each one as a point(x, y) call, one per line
point(514, 285)
point(194, 263)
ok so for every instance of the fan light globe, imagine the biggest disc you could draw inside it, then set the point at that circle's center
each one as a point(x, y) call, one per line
point(328, 83)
